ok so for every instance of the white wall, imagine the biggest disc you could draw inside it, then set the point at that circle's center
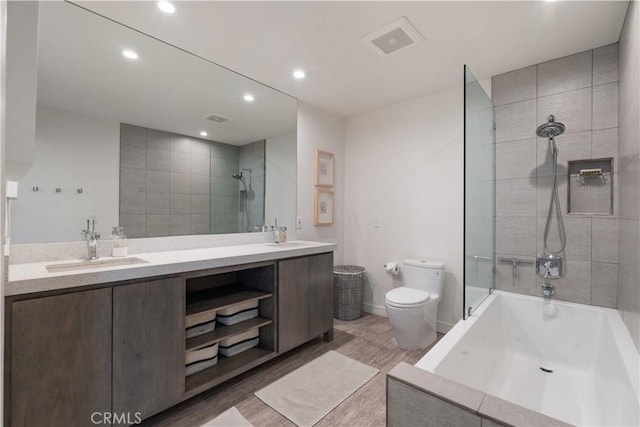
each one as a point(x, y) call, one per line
point(72, 151)
point(323, 131)
point(404, 194)
point(3, 266)
point(280, 180)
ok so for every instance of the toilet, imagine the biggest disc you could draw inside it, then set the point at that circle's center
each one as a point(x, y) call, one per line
point(413, 307)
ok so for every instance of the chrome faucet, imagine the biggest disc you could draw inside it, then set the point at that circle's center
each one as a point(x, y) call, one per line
point(91, 236)
point(548, 290)
point(274, 232)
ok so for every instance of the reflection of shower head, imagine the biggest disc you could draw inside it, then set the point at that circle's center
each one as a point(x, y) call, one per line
point(238, 176)
point(550, 129)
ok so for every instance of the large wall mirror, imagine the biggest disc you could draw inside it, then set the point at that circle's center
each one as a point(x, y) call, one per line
point(144, 135)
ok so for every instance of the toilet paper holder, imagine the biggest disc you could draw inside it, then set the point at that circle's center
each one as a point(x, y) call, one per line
point(392, 268)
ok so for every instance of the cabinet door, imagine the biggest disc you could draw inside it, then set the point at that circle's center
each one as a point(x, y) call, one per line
point(60, 359)
point(320, 294)
point(293, 303)
point(148, 346)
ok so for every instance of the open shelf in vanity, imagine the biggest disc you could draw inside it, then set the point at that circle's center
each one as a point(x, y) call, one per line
point(221, 289)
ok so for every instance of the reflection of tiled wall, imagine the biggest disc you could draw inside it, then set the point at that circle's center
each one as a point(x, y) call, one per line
point(224, 189)
point(629, 172)
point(252, 157)
point(164, 183)
point(581, 91)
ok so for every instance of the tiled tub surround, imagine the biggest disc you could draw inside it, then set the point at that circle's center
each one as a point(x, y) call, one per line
point(252, 156)
point(487, 368)
point(581, 91)
point(166, 183)
point(33, 277)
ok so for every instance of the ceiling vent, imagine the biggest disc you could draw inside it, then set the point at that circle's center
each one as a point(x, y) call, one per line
point(391, 38)
point(218, 118)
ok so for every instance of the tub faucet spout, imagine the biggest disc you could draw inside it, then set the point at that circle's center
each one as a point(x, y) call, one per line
point(548, 290)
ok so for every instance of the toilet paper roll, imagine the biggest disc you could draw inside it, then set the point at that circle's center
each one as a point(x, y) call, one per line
point(392, 268)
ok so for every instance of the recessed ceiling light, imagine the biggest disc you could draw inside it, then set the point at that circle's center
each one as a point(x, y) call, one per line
point(299, 74)
point(129, 54)
point(203, 133)
point(249, 98)
point(166, 7)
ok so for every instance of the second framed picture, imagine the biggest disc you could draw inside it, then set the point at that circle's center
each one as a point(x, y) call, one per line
point(324, 169)
point(324, 207)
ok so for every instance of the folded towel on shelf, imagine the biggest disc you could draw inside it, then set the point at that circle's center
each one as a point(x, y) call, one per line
point(238, 313)
point(239, 343)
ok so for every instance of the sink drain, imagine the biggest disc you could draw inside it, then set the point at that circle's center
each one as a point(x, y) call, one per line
point(548, 371)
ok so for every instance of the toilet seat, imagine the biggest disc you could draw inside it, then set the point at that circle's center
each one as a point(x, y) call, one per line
point(406, 297)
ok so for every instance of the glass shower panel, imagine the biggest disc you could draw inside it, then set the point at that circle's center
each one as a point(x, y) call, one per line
point(479, 202)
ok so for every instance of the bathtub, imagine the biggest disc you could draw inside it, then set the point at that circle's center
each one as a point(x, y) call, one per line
point(572, 362)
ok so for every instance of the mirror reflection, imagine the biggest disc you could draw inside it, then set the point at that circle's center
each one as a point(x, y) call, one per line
point(143, 135)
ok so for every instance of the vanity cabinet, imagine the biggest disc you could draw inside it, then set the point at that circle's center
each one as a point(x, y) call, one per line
point(60, 359)
point(148, 346)
point(305, 297)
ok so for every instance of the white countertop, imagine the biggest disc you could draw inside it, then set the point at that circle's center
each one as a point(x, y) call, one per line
point(34, 277)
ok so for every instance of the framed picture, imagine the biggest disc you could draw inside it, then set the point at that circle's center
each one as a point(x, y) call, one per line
point(324, 207)
point(324, 169)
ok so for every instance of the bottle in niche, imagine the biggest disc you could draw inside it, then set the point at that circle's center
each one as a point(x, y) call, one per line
point(119, 242)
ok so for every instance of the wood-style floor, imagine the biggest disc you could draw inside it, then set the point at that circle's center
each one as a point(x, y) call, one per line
point(368, 340)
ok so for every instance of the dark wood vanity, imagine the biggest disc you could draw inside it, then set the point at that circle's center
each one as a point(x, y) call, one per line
point(119, 348)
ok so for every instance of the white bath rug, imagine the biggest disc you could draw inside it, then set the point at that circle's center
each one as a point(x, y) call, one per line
point(310, 392)
point(229, 418)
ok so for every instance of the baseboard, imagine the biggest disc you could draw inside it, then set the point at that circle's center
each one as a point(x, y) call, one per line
point(442, 327)
point(374, 309)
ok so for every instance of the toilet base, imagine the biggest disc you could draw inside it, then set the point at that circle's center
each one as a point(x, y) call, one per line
point(413, 328)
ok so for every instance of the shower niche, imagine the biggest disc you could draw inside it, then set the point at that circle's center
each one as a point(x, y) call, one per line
point(590, 189)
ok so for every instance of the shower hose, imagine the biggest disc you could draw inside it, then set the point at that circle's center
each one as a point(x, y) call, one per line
point(554, 204)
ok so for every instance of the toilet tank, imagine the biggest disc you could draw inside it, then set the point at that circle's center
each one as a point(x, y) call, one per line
point(425, 275)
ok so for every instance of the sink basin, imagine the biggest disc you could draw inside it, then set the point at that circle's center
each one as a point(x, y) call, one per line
point(96, 263)
point(288, 245)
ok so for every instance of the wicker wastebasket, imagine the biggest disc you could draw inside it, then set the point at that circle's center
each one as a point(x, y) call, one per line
point(348, 284)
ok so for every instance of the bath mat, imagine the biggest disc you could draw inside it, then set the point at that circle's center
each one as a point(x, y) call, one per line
point(310, 392)
point(229, 418)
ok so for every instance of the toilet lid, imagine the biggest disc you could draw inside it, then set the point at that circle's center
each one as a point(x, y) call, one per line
point(406, 297)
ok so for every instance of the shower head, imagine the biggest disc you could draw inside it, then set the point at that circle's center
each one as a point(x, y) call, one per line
point(238, 176)
point(550, 129)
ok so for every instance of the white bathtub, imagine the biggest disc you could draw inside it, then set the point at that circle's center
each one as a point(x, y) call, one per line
point(502, 346)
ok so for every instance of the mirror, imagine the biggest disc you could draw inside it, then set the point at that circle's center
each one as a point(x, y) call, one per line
point(144, 135)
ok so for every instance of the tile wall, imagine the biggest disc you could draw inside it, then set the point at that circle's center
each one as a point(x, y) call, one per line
point(165, 182)
point(581, 91)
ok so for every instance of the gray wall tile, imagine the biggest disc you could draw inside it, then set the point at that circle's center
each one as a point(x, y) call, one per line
point(158, 160)
point(134, 225)
point(181, 144)
point(219, 167)
point(543, 194)
point(629, 135)
point(200, 224)
point(133, 180)
point(200, 185)
point(133, 156)
point(200, 165)
point(605, 64)
point(578, 232)
point(180, 225)
point(158, 203)
point(605, 106)
point(604, 143)
point(180, 183)
point(570, 146)
point(516, 121)
point(514, 86)
point(158, 225)
point(158, 182)
point(604, 247)
point(133, 135)
point(630, 190)
point(180, 163)
point(526, 280)
point(516, 235)
point(200, 148)
point(516, 159)
point(132, 202)
point(571, 108)
point(180, 204)
point(565, 74)
point(604, 284)
point(200, 205)
point(515, 197)
point(158, 140)
point(575, 286)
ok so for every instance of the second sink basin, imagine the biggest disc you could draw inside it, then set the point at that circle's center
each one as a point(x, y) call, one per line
point(96, 263)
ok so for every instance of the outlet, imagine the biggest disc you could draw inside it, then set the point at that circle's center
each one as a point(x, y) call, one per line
point(299, 223)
